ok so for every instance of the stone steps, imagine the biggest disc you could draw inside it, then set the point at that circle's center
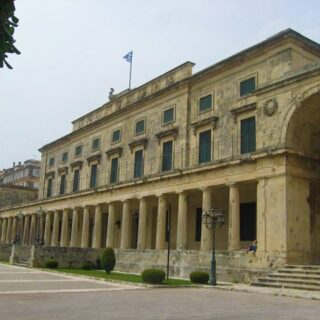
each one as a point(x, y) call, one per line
point(22, 263)
point(302, 277)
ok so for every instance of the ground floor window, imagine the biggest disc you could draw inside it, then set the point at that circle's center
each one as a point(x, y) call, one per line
point(248, 221)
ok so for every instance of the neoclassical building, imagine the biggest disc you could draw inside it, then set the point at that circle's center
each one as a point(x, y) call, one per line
point(242, 135)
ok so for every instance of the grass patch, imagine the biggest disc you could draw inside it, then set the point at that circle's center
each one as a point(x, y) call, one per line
point(127, 277)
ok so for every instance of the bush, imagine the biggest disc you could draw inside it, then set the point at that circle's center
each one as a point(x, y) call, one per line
point(51, 264)
point(154, 276)
point(98, 264)
point(108, 260)
point(199, 277)
point(88, 265)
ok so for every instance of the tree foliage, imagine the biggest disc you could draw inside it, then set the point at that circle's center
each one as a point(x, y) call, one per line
point(8, 23)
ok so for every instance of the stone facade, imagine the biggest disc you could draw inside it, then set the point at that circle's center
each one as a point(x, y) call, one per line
point(241, 135)
point(14, 195)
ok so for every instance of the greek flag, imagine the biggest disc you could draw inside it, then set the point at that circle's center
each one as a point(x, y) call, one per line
point(128, 56)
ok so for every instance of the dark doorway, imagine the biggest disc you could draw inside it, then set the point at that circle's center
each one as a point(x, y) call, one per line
point(248, 221)
point(198, 223)
point(135, 226)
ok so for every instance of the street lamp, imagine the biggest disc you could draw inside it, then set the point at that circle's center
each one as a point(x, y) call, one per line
point(213, 218)
point(39, 239)
point(16, 239)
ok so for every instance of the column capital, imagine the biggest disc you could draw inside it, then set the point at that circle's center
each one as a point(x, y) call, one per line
point(205, 188)
point(232, 184)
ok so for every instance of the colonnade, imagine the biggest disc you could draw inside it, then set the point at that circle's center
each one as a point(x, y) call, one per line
point(70, 227)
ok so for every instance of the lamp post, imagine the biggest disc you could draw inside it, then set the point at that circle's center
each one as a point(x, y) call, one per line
point(211, 219)
point(16, 239)
point(39, 239)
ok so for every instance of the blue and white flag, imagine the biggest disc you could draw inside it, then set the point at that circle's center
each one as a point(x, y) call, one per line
point(128, 56)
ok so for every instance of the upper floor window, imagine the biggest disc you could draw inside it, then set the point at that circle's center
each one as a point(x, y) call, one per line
point(51, 162)
point(114, 171)
point(140, 126)
point(95, 145)
point(65, 157)
point(116, 136)
point(168, 115)
point(63, 184)
point(49, 188)
point(138, 164)
point(93, 176)
point(78, 151)
point(247, 86)
point(205, 146)
point(76, 180)
point(205, 103)
point(248, 135)
point(167, 155)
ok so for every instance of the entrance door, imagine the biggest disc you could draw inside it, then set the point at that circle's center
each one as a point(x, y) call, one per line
point(248, 221)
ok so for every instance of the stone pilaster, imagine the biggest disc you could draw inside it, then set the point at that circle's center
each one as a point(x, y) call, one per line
point(26, 230)
point(125, 231)
point(74, 228)
point(182, 228)
point(9, 231)
point(4, 230)
point(142, 229)
point(85, 227)
point(206, 234)
point(161, 223)
point(64, 228)
point(55, 230)
point(111, 225)
point(261, 215)
point(47, 229)
point(14, 229)
point(97, 227)
point(234, 218)
point(33, 229)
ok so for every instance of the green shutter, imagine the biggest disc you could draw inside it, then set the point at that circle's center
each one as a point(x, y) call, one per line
point(93, 177)
point(205, 146)
point(114, 170)
point(167, 156)
point(116, 136)
point(76, 180)
point(138, 164)
point(247, 86)
point(62, 184)
point(205, 103)
point(140, 126)
point(168, 115)
point(248, 135)
point(49, 190)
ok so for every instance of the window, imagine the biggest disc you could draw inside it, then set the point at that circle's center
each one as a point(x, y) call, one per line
point(138, 164)
point(168, 115)
point(247, 86)
point(65, 157)
point(167, 155)
point(95, 144)
point(205, 146)
point(114, 170)
point(51, 162)
point(205, 103)
point(248, 135)
point(49, 188)
point(116, 136)
point(78, 151)
point(93, 176)
point(140, 127)
point(76, 180)
point(198, 224)
point(248, 220)
point(63, 184)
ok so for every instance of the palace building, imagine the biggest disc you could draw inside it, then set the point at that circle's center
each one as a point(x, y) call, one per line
point(242, 135)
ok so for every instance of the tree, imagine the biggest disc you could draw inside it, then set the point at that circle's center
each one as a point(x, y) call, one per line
point(8, 23)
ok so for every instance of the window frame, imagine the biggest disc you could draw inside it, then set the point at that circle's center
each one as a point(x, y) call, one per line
point(62, 157)
point(212, 102)
point(91, 186)
point(63, 183)
point(144, 126)
point(75, 150)
point(51, 162)
point(118, 169)
point(49, 194)
point(97, 138)
point(172, 155)
point(211, 145)
point(120, 135)
point(240, 134)
point(173, 107)
point(241, 80)
point(74, 181)
point(142, 164)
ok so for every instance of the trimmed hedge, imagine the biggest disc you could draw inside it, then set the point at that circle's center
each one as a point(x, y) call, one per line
point(154, 276)
point(88, 265)
point(98, 264)
point(199, 277)
point(108, 260)
point(51, 264)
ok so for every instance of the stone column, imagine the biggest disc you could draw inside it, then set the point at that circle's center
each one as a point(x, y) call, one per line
point(97, 227)
point(55, 230)
point(47, 229)
point(142, 228)
point(161, 223)
point(64, 228)
point(125, 231)
point(261, 215)
point(182, 228)
point(41, 227)
point(4, 230)
point(111, 225)
point(1, 220)
point(9, 231)
point(33, 228)
point(14, 229)
point(26, 230)
point(234, 218)
point(85, 227)
point(206, 234)
point(74, 228)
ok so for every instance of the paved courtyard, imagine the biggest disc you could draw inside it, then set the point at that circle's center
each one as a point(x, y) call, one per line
point(32, 294)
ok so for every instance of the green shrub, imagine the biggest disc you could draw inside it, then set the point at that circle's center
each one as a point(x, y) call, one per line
point(88, 265)
point(199, 277)
point(98, 264)
point(154, 276)
point(108, 260)
point(51, 264)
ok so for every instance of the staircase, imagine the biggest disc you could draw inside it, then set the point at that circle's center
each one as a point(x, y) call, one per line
point(22, 263)
point(302, 277)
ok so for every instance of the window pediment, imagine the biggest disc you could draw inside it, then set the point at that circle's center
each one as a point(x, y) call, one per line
point(95, 158)
point(167, 133)
point(63, 170)
point(198, 124)
point(50, 174)
point(246, 108)
point(113, 151)
point(136, 143)
point(76, 164)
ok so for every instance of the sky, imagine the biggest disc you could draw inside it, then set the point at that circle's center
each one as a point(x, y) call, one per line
point(72, 54)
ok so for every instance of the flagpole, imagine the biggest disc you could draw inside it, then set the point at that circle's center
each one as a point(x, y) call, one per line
point(130, 71)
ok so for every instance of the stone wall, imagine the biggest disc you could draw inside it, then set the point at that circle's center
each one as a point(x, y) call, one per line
point(14, 195)
point(5, 252)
